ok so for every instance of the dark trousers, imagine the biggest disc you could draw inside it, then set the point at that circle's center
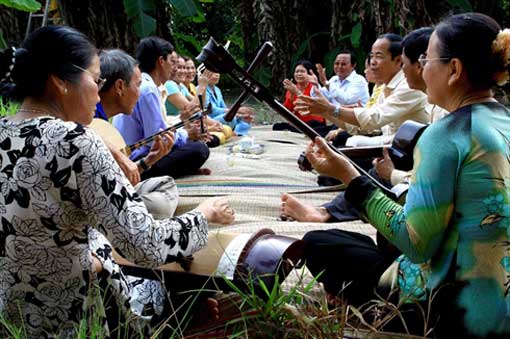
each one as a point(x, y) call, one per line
point(350, 263)
point(350, 266)
point(182, 160)
point(341, 210)
point(341, 139)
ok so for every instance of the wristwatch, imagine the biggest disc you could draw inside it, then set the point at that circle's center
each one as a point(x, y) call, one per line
point(336, 112)
point(143, 164)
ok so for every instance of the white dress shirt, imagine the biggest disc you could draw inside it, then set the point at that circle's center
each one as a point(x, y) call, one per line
point(349, 91)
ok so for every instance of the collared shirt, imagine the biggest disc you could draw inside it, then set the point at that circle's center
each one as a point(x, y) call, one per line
point(172, 88)
point(215, 98)
point(146, 119)
point(290, 98)
point(218, 106)
point(376, 92)
point(192, 89)
point(349, 91)
point(435, 112)
point(395, 105)
point(100, 113)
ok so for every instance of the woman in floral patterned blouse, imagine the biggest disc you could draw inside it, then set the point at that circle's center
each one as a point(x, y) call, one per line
point(63, 197)
point(454, 229)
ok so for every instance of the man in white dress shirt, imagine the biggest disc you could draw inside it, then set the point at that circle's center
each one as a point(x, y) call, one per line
point(397, 103)
point(346, 87)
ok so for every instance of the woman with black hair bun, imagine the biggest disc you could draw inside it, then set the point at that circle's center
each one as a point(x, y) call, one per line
point(64, 201)
point(454, 229)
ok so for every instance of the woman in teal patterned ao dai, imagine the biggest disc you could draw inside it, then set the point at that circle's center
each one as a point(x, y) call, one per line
point(455, 222)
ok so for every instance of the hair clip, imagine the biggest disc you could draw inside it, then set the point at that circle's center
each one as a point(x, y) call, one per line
point(11, 67)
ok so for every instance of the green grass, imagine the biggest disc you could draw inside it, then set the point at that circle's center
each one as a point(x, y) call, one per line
point(264, 311)
point(10, 330)
point(298, 312)
point(8, 109)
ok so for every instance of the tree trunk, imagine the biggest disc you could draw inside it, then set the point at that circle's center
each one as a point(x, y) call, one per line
point(13, 24)
point(247, 16)
point(284, 24)
point(104, 22)
point(163, 18)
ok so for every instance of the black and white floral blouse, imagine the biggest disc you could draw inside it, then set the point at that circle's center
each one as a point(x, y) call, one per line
point(60, 192)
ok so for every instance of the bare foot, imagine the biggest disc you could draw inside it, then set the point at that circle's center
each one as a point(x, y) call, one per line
point(297, 210)
point(204, 171)
point(217, 210)
point(213, 309)
point(213, 315)
point(334, 302)
point(206, 314)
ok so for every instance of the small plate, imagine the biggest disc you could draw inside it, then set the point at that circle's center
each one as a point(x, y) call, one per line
point(254, 149)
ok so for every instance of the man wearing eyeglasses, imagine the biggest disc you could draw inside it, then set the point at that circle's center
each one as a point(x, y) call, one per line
point(397, 103)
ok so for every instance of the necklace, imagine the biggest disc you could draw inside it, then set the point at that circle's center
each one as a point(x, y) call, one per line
point(34, 111)
point(29, 113)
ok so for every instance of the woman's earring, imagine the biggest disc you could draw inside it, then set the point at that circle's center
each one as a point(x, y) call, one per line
point(65, 90)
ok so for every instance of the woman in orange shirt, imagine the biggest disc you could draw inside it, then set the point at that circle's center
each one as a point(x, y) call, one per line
point(304, 79)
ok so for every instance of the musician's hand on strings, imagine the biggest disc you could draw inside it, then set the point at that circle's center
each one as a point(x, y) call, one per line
point(205, 137)
point(318, 105)
point(384, 166)
point(322, 74)
point(188, 110)
point(128, 167)
point(333, 134)
point(194, 130)
point(291, 87)
point(217, 211)
point(246, 113)
point(214, 125)
point(328, 162)
point(160, 147)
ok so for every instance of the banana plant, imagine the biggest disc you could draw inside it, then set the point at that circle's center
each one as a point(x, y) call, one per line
point(141, 13)
point(22, 5)
point(462, 4)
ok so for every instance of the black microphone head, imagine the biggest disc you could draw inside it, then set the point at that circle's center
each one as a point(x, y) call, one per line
point(216, 58)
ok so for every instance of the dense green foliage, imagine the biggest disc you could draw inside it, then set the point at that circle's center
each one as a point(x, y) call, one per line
point(22, 5)
point(314, 30)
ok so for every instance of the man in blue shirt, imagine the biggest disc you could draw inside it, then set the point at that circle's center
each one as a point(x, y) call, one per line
point(154, 57)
